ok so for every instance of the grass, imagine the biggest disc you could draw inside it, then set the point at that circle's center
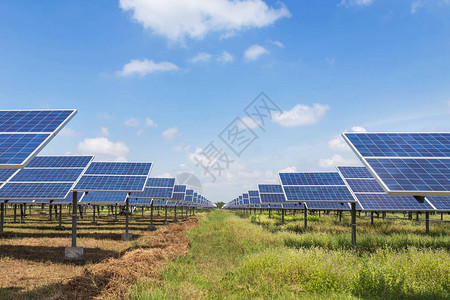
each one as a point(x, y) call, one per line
point(237, 258)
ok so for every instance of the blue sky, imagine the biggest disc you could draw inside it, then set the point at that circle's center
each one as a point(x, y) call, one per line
point(159, 80)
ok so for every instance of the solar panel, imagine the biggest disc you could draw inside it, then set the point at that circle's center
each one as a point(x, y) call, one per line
point(143, 201)
point(104, 198)
point(315, 186)
point(254, 197)
point(372, 197)
point(160, 182)
point(42, 180)
point(179, 193)
point(69, 199)
point(271, 193)
point(441, 203)
point(5, 174)
point(328, 205)
point(23, 133)
point(415, 164)
point(114, 177)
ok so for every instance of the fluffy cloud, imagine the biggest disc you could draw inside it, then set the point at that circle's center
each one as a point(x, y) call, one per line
point(336, 160)
point(415, 5)
point(225, 57)
point(181, 147)
point(131, 122)
point(254, 52)
point(144, 67)
point(277, 43)
point(103, 149)
point(288, 170)
point(177, 19)
point(338, 144)
point(171, 133)
point(104, 131)
point(356, 2)
point(201, 57)
point(301, 115)
point(150, 123)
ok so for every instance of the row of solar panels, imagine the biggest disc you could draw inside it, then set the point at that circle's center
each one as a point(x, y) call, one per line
point(334, 191)
point(27, 177)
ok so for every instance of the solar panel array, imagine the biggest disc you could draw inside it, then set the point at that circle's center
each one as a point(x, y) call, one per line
point(415, 164)
point(42, 180)
point(179, 193)
point(319, 187)
point(114, 177)
point(97, 198)
point(23, 133)
point(372, 197)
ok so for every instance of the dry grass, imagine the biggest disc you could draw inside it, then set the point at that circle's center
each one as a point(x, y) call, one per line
point(33, 265)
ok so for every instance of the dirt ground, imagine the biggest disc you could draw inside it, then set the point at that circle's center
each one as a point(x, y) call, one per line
point(32, 263)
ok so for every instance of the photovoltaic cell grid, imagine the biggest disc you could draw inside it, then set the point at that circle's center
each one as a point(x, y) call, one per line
point(114, 177)
point(372, 197)
point(271, 193)
point(179, 193)
point(254, 197)
point(158, 188)
point(310, 187)
point(104, 198)
point(160, 182)
point(69, 199)
point(141, 202)
point(416, 164)
point(23, 133)
point(43, 181)
point(441, 203)
point(245, 199)
point(328, 205)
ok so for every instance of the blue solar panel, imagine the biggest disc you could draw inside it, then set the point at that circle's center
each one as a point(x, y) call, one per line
point(47, 175)
point(15, 149)
point(364, 186)
point(328, 205)
point(33, 120)
point(104, 197)
point(60, 161)
point(385, 202)
point(188, 198)
point(429, 175)
point(160, 182)
point(5, 174)
point(69, 199)
point(159, 203)
point(118, 168)
point(179, 189)
point(355, 172)
point(400, 144)
point(178, 196)
point(111, 183)
point(441, 203)
point(270, 188)
point(189, 192)
point(372, 197)
point(134, 201)
point(272, 198)
point(324, 178)
point(318, 193)
point(35, 190)
point(154, 192)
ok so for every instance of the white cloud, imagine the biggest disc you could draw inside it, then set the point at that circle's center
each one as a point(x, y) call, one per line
point(335, 160)
point(225, 57)
point(277, 43)
point(356, 2)
point(105, 115)
point(144, 67)
point(150, 123)
point(68, 132)
point(131, 122)
point(171, 133)
point(201, 57)
point(181, 147)
point(140, 132)
point(177, 19)
point(105, 131)
point(254, 52)
point(103, 149)
point(338, 144)
point(415, 5)
point(301, 115)
point(291, 169)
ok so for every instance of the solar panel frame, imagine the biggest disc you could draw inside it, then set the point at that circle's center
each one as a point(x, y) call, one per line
point(103, 198)
point(44, 137)
point(271, 194)
point(441, 152)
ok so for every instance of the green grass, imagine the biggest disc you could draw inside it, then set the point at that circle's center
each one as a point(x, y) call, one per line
point(234, 258)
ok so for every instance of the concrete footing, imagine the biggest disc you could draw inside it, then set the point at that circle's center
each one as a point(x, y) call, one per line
point(126, 236)
point(74, 253)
